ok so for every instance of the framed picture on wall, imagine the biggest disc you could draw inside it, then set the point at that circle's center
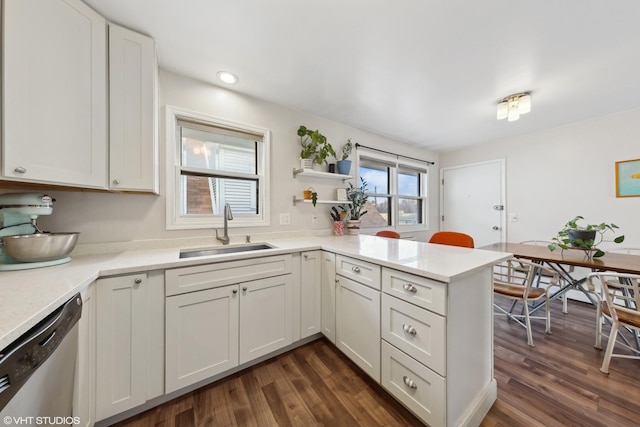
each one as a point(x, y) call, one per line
point(628, 178)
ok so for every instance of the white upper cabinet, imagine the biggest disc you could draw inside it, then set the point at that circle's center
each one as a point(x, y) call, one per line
point(133, 142)
point(55, 93)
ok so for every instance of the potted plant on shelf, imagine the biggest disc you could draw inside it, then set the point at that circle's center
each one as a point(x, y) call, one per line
point(358, 197)
point(584, 237)
point(315, 148)
point(344, 165)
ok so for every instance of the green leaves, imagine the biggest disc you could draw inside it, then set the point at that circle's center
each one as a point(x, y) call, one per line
point(563, 239)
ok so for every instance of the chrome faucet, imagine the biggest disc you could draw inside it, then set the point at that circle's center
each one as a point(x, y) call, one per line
point(228, 215)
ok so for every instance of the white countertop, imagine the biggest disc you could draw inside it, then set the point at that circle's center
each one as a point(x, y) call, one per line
point(28, 296)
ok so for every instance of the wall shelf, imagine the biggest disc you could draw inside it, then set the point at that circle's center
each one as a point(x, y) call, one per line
point(318, 174)
point(323, 202)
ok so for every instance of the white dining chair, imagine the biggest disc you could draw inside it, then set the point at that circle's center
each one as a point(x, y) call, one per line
point(542, 280)
point(621, 304)
point(514, 279)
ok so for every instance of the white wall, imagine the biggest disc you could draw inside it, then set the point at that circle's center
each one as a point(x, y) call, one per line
point(556, 174)
point(112, 217)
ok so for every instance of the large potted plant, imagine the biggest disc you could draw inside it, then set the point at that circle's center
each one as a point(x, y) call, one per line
point(344, 165)
point(586, 237)
point(358, 197)
point(315, 148)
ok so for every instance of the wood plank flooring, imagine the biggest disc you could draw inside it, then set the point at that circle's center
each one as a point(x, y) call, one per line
point(555, 383)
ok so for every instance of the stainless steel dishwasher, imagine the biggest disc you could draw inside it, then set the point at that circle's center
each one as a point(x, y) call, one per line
point(37, 370)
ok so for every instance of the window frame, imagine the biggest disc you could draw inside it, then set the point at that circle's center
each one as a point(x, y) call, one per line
point(177, 221)
point(395, 163)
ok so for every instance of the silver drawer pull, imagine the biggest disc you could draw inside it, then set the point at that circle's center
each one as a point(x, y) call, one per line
point(355, 269)
point(410, 288)
point(137, 281)
point(116, 182)
point(20, 169)
point(409, 329)
point(409, 382)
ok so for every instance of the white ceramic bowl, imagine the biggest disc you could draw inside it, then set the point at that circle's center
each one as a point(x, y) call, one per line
point(40, 247)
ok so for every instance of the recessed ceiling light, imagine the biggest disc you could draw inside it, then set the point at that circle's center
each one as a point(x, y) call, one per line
point(227, 77)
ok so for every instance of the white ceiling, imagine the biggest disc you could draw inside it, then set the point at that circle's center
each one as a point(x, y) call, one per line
point(425, 72)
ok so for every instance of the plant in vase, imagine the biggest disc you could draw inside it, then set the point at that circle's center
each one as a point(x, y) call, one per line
point(576, 236)
point(315, 148)
point(344, 165)
point(337, 217)
point(358, 197)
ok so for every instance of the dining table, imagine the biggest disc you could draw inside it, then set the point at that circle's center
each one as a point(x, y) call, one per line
point(564, 261)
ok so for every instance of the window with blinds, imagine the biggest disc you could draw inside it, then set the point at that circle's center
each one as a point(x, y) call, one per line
point(218, 164)
point(397, 190)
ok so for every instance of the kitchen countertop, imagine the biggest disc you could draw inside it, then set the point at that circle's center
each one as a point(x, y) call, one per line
point(28, 296)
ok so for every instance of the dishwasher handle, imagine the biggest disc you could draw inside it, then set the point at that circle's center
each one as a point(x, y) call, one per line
point(24, 356)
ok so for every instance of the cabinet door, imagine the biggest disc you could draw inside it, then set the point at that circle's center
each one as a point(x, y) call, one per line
point(358, 324)
point(121, 357)
point(310, 293)
point(55, 93)
point(84, 391)
point(201, 335)
point(133, 142)
point(265, 316)
point(329, 296)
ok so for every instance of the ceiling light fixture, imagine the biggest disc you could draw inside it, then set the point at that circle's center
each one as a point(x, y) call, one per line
point(513, 105)
point(227, 77)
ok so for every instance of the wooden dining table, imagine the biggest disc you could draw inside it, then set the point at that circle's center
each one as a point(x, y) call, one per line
point(561, 261)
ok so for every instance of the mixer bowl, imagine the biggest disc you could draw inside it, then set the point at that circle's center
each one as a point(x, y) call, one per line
point(40, 247)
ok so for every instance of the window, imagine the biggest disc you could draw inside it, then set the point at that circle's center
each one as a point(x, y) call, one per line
point(397, 190)
point(215, 162)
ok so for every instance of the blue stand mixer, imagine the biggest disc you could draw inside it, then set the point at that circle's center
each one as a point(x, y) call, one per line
point(23, 245)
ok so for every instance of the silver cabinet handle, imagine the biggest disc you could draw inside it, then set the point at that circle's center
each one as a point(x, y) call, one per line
point(355, 269)
point(244, 289)
point(409, 329)
point(306, 256)
point(20, 169)
point(137, 281)
point(409, 382)
point(235, 291)
point(116, 182)
point(410, 288)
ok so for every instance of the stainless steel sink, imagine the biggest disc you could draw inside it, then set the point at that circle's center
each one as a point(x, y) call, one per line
point(191, 253)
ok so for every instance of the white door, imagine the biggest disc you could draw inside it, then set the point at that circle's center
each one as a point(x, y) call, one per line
point(358, 324)
point(266, 314)
point(473, 201)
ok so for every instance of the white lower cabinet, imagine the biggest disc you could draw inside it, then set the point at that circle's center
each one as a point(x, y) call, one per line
point(310, 293)
point(129, 332)
point(84, 396)
point(265, 316)
point(222, 324)
point(358, 324)
point(202, 335)
point(328, 296)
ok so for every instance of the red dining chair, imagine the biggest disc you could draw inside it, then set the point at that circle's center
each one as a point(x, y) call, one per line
point(452, 238)
point(388, 233)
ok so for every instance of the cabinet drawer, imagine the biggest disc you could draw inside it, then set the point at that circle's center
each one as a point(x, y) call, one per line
point(416, 386)
point(197, 278)
point(426, 293)
point(416, 331)
point(361, 271)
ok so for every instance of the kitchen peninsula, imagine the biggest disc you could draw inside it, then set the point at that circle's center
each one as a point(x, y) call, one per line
point(432, 312)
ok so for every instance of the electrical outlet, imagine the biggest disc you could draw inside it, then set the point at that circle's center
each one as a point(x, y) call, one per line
point(314, 219)
point(285, 219)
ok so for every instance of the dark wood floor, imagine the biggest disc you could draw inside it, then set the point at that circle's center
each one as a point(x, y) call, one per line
point(555, 383)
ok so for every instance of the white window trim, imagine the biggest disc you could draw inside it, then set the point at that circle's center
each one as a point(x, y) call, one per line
point(175, 221)
point(424, 181)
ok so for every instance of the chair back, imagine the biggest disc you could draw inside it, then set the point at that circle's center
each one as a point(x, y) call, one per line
point(452, 238)
point(388, 233)
point(515, 277)
point(622, 295)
